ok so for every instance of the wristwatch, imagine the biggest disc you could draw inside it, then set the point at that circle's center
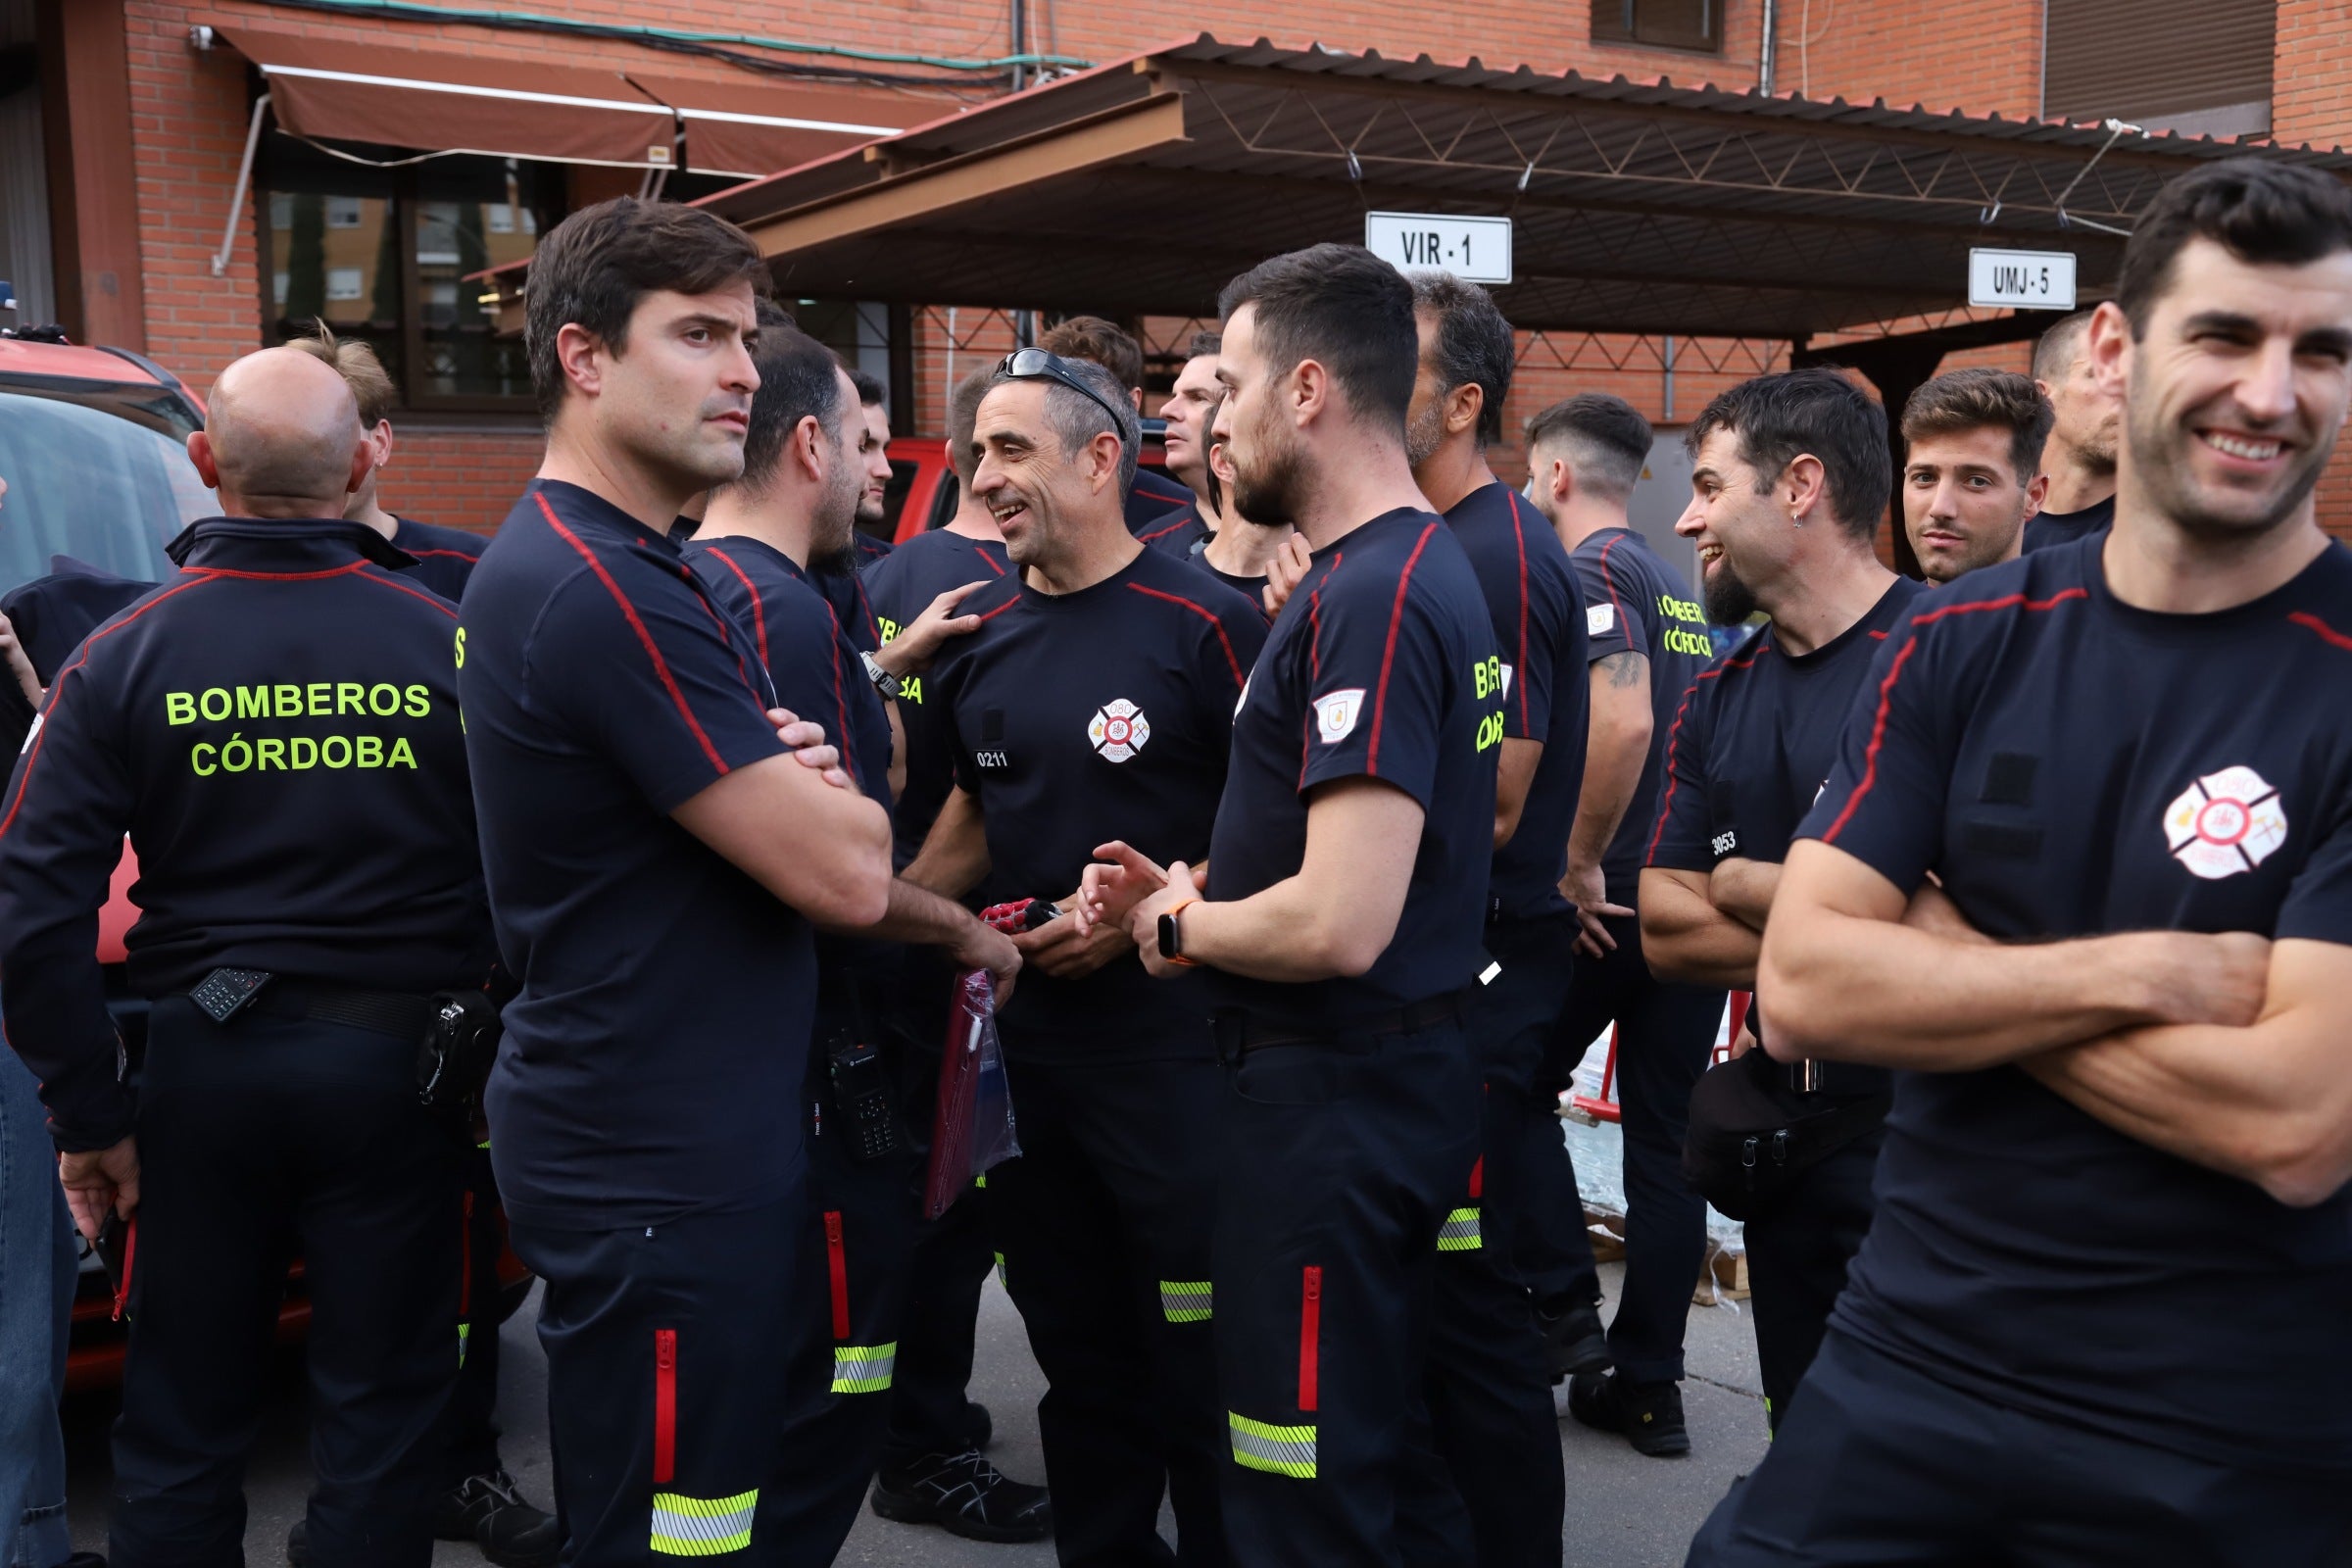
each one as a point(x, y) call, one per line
point(884, 681)
point(1171, 936)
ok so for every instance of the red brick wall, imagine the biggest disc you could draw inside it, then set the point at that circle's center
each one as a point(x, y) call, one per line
point(1984, 55)
point(459, 478)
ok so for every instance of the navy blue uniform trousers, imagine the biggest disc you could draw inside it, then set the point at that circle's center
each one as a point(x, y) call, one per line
point(857, 1249)
point(259, 1141)
point(1665, 1033)
point(1880, 1464)
point(1343, 1158)
point(666, 1354)
point(1104, 1223)
point(1488, 1391)
point(1797, 1251)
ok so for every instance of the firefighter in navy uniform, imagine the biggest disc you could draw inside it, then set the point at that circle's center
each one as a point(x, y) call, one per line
point(1788, 477)
point(1093, 702)
point(656, 850)
point(794, 505)
point(1490, 1391)
point(277, 730)
point(1344, 902)
point(482, 1503)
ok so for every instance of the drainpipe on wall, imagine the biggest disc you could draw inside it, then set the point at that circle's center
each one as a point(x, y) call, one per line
point(1766, 51)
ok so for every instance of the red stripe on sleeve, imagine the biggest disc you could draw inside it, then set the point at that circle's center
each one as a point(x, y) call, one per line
point(1609, 580)
point(629, 614)
point(1895, 671)
point(1674, 736)
point(758, 611)
point(1208, 615)
point(1388, 654)
point(434, 599)
point(58, 693)
point(2311, 622)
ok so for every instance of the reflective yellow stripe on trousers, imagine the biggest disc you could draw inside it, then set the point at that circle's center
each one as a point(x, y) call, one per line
point(703, 1527)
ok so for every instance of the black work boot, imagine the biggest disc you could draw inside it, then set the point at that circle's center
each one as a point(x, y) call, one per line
point(965, 1495)
point(1574, 1339)
point(1647, 1415)
point(489, 1510)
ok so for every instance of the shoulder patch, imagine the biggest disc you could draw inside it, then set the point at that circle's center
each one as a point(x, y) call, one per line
point(1599, 618)
point(1336, 713)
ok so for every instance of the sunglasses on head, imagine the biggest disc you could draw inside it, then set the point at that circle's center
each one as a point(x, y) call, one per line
point(1037, 364)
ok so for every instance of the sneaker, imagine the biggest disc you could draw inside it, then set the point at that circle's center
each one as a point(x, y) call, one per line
point(489, 1510)
point(1575, 1340)
point(298, 1545)
point(1648, 1415)
point(965, 1495)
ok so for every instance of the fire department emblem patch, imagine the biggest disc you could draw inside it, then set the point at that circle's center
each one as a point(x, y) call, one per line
point(2224, 824)
point(1118, 730)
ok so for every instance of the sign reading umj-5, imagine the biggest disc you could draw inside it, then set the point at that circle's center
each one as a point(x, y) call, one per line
point(1476, 250)
point(2021, 280)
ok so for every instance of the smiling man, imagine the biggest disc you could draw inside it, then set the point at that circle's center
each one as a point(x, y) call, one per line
point(1789, 475)
point(1972, 477)
point(655, 855)
point(2100, 1314)
point(1095, 702)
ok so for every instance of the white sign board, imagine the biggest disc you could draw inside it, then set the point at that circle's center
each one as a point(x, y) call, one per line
point(1476, 250)
point(2023, 281)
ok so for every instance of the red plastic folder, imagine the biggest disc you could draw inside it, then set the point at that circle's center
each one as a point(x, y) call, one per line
point(972, 1129)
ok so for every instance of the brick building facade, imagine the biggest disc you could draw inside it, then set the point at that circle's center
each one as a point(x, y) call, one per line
point(124, 92)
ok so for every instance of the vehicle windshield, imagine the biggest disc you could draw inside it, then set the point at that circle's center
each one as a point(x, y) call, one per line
point(90, 483)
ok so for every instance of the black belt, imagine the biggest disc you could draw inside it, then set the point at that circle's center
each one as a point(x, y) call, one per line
point(1841, 1080)
point(1239, 1033)
point(393, 1012)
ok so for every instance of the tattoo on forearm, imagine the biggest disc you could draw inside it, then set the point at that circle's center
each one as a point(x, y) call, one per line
point(1625, 668)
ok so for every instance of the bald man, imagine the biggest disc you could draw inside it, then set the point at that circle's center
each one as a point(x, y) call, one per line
point(276, 729)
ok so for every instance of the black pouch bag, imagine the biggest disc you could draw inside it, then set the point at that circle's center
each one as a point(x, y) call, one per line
point(1752, 1131)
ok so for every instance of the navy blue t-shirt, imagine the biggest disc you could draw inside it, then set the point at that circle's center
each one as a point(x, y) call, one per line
point(1633, 602)
point(1540, 627)
point(277, 730)
point(2069, 766)
point(665, 1015)
point(901, 588)
point(1078, 718)
point(1382, 665)
point(445, 557)
point(2046, 529)
point(810, 654)
point(842, 585)
point(1153, 496)
point(1179, 532)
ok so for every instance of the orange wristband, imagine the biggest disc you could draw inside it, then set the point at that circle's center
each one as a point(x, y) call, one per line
point(1171, 913)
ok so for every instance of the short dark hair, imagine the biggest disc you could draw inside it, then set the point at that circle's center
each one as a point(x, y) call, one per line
point(2268, 212)
point(1343, 307)
point(1607, 440)
point(1207, 340)
point(1778, 419)
point(1101, 342)
point(1078, 418)
point(593, 268)
point(2054, 352)
point(799, 378)
point(1474, 344)
point(963, 412)
point(1977, 397)
point(871, 391)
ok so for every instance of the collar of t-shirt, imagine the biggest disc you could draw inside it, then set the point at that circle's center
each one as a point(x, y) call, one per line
point(281, 544)
point(1870, 620)
point(1035, 598)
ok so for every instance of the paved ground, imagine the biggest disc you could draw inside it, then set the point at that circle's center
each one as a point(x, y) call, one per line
point(1623, 1511)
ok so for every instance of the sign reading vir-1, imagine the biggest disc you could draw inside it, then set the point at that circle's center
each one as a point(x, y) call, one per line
point(1476, 250)
point(2021, 280)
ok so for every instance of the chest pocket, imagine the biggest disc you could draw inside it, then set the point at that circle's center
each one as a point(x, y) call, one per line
point(2008, 781)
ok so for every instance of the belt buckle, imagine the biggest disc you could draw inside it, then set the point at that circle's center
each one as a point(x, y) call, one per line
point(1804, 1076)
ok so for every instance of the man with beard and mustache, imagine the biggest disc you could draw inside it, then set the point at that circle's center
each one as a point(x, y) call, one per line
point(1788, 477)
point(1340, 913)
point(2080, 459)
point(2100, 1314)
point(1095, 702)
point(655, 854)
point(1490, 1364)
point(797, 502)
